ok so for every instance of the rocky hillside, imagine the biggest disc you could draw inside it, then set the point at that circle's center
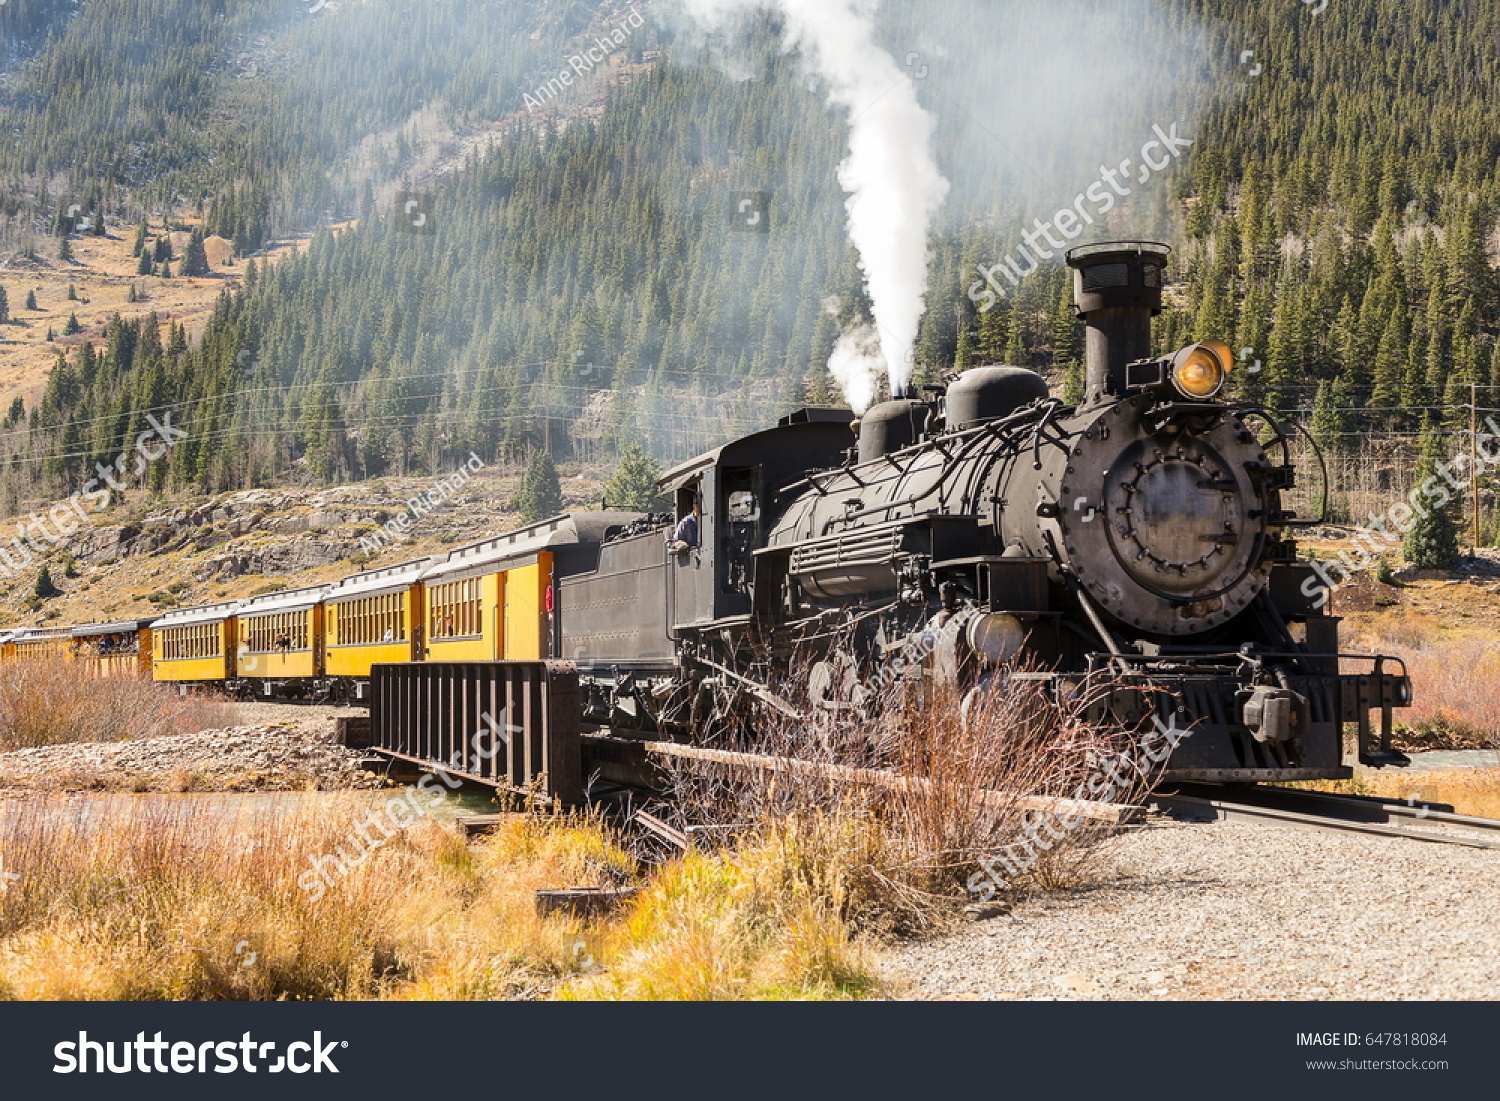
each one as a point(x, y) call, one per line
point(143, 559)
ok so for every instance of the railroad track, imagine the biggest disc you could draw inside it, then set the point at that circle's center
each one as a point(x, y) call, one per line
point(1274, 806)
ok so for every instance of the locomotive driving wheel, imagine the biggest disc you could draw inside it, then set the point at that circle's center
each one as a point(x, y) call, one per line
point(834, 685)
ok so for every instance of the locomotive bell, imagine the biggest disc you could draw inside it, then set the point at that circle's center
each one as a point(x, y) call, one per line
point(1117, 291)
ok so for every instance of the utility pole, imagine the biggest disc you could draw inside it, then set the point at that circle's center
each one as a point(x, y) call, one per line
point(1474, 465)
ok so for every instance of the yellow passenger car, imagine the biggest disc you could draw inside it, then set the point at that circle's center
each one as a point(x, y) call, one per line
point(40, 643)
point(115, 649)
point(488, 601)
point(373, 616)
point(194, 645)
point(280, 644)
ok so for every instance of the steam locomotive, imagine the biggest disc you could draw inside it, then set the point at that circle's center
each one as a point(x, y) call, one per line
point(1138, 538)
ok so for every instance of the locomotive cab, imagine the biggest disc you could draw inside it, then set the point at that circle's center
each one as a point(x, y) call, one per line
point(742, 487)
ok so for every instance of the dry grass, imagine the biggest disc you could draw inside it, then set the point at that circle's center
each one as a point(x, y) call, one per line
point(126, 898)
point(103, 272)
point(763, 923)
point(1456, 690)
point(120, 899)
point(1474, 791)
point(51, 702)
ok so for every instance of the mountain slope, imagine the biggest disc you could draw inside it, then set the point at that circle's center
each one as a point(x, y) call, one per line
point(586, 284)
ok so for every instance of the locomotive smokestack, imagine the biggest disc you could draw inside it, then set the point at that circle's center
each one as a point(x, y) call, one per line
point(1117, 291)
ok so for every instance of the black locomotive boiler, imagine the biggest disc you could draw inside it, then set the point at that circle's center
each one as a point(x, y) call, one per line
point(1137, 539)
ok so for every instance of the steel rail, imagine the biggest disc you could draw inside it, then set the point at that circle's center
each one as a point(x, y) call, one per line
point(1410, 820)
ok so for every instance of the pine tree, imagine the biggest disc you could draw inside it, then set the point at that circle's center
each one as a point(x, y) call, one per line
point(633, 487)
point(145, 267)
point(44, 588)
point(1390, 366)
point(1066, 330)
point(65, 251)
point(194, 259)
point(140, 239)
point(1075, 383)
point(4, 307)
point(541, 492)
point(1331, 421)
point(1432, 540)
point(31, 300)
point(72, 325)
point(991, 334)
point(72, 293)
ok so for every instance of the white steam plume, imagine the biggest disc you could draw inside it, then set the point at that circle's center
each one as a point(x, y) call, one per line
point(893, 182)
point(857, 350)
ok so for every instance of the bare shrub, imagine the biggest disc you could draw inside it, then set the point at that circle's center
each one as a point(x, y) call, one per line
point(50, 702)
point(1456, 690)
point(893, 819)
point(1455, 682)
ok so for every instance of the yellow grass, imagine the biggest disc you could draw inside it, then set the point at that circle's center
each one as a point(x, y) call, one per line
point(1474, 791)
point(123, 898)
point(152, 901)
point(765, 922)
point(126, 898)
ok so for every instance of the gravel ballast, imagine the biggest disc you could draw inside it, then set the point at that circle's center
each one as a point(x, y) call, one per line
point(1232, 911)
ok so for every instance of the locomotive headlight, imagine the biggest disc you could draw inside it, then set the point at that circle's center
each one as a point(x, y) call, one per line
point(1199, 371)
point(996, 638)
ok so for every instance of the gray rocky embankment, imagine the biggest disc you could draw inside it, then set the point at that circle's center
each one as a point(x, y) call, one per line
point(290, 755)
